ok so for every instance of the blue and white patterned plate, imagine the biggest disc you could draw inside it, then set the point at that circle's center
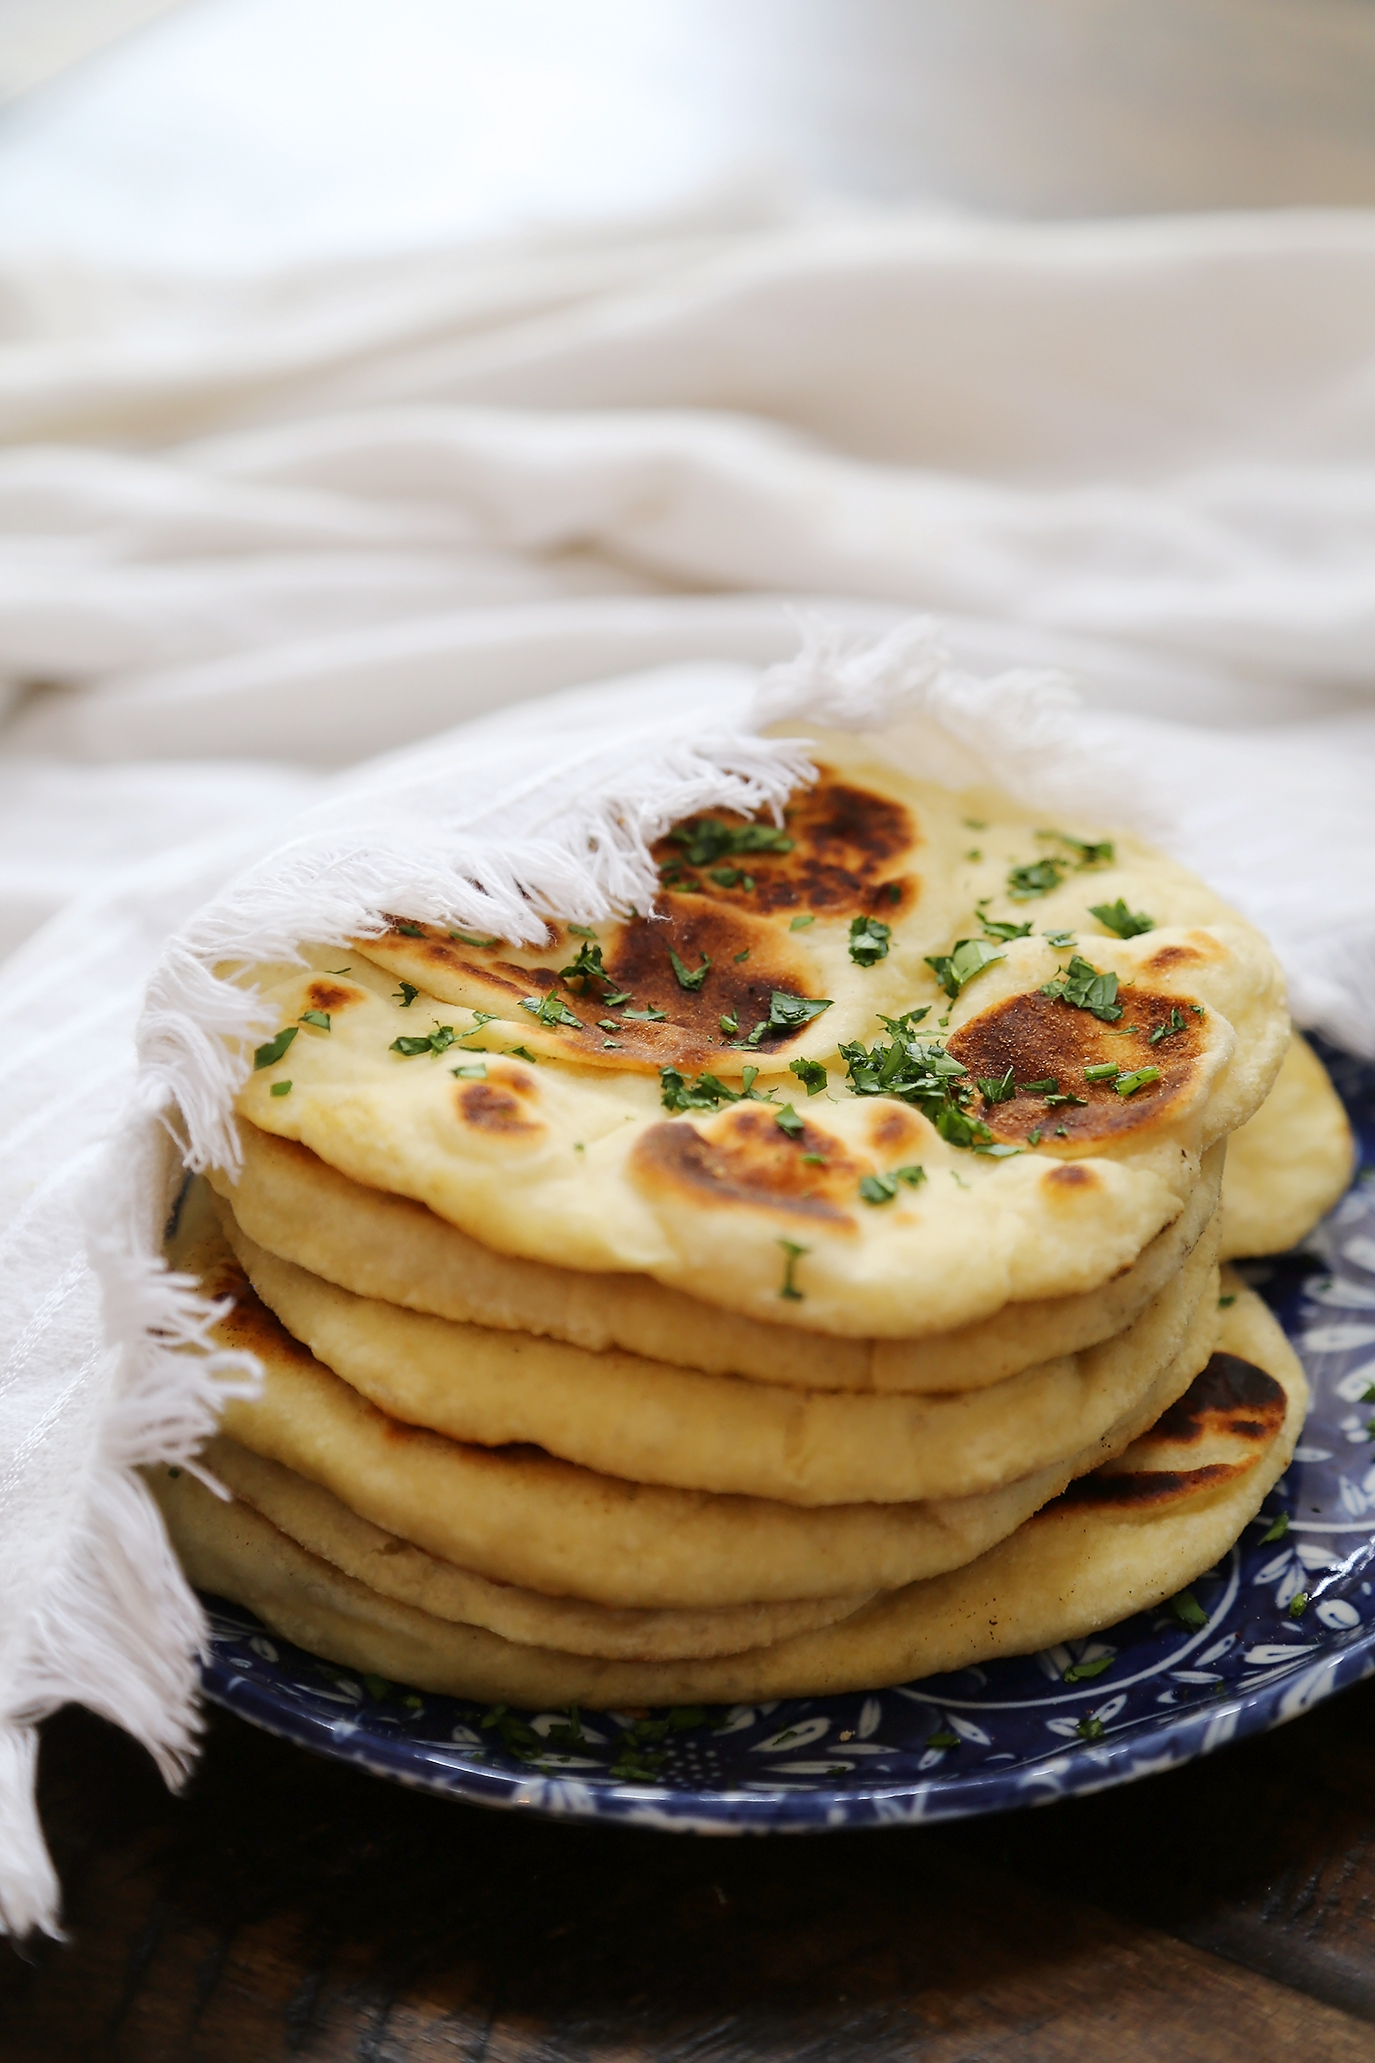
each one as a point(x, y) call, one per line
point(1145, 1696)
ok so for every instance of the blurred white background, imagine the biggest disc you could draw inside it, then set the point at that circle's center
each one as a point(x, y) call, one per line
point(224, 133)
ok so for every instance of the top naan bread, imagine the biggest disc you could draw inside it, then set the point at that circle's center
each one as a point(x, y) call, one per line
point(1057, 1098)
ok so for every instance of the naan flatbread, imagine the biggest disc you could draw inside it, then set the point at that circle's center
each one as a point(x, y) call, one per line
point(518, 1515)
point(295, 1205)
point(394, 1568)
point(648, 1422)
point(1291, 1163)
point(1119, 1544)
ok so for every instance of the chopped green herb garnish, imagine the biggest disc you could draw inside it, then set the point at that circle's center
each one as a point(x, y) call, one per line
point(942, 1740)
point(407, 992)
point(1050, 1086)
point(966, 958)
point(788, 1012)
point(437, 1041)
point(790, 1291)
point(1226, 1303)
point(476, 1072)
point(706, 1093)
point(869, 941)
point(319, 1018)
point(523, 1053)
point(414, 931)
point(1034, 1138)
point(729, 877)
point(1063, 1096)
point(1085, 988)
point(1036, 877)
point(580, 930)
point(271, 1053)
point(997, 928)
point(689, 977)
point(973, 853)
point(280, 1089)
point(338, 970)
point(883, 1188)
point(974, 823)
point(1298, 1605)
point(1083, 1672)
point(550, 1009)
point(902, 1027)
point(730, 1025)
point(1090, 1727)
point(649, 1015)
point(997, 1088)
point(1088, 852)
point(1173, 1025)
point(707, 840)
point(787, 1120)
point(1277, 1530)
point(586, 967)
point(1117, 917)
point(480, 1017)
point(1059, 939)
point(801, 923)
point(810, 1073)
point(1139, 1078)
point(1105, 1071)
point(1185, 1607)
point(742, 956)
point(472, 938)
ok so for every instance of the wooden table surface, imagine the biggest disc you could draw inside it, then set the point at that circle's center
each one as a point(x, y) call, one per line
point(289, 1907)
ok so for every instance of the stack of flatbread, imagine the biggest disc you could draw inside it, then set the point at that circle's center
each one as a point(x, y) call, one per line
point(810, 1284)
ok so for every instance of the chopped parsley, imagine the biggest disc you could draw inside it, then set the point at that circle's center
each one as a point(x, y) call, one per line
point(973, 853)
point(943, 1739)
point(997, 928)
point(407, 992)
point(883, 1188)
point(1088, 852)
point(707, 1093)
point(580, 930)
point(729, 1024)
point(901, 1027)
point(1139, 1078)
point(997, 1088)
point(1117, 917)
point(280, 1089)
point(1050, 1086)
point(790, 1292)
point(586, 967)
point(472, 938)
point(1059, 939)
point(810, 1073)
point(271, 1053)
point(338, 970)
point(789, 1013)
point(742, 956)
point(480, 1017)
point(319, 1018)
point(787, 1120)
point(1172, 1026)
point(1083, 986)
point(1083, 1672)
point(974, 823)
point(523, 1053)
point(1185, 1607)
point(650, 1015)
point(1277, 1530)
point(724, 877)
point(437, 1041)
point(1036, 877)
point(801, 923)
point(966, 958)
point(1034, 1138)
point(689, 977)
point(1105, 1071)
point(550, 1009)
point(922, 1073)
point(869, 941)
point(1225, 1303)
point(1090, 1727)
point(1298, 1605)
point(707, 840)
point(475, 1072)
point(414, 931)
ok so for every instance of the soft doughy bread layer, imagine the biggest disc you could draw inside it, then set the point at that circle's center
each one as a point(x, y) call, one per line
point(519, 1516)
point(394, 1568)
point(1290, 1164)
point(1076, 1569)
point(570, 1158)
point(651, 1423)
point(296, 1206)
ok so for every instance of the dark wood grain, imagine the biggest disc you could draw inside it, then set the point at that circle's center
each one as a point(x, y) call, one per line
point(288, 1907)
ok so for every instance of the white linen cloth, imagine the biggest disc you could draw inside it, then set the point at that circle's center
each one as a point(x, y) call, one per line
point(250, 534)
